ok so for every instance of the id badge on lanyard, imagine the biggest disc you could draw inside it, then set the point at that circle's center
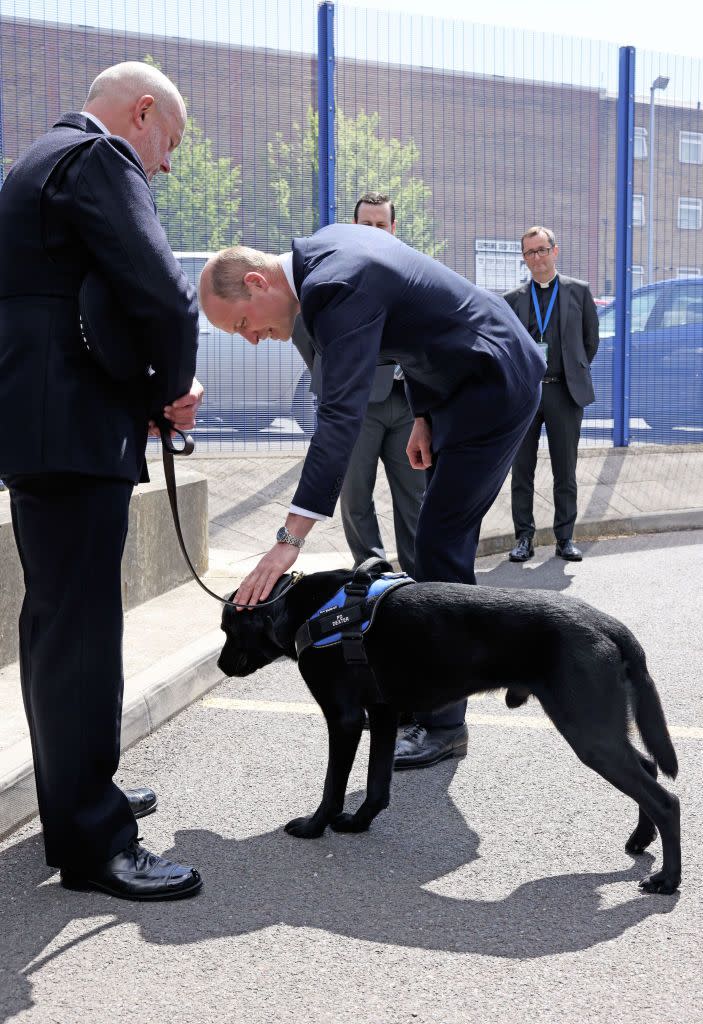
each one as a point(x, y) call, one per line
point(542, 326)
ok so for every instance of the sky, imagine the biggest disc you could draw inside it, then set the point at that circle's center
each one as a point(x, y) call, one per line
point(670, 26)
point(547, 40)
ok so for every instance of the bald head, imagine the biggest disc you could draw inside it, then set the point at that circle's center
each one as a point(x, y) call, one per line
point(140, 104)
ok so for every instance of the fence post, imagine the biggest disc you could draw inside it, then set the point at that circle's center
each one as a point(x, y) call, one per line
point(623, 247)
point(325, 112)
point(2, 143)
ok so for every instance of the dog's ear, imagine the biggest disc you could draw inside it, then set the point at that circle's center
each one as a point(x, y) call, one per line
point(270, 631)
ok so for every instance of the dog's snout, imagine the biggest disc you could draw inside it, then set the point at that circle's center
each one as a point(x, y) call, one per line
point(233, 661)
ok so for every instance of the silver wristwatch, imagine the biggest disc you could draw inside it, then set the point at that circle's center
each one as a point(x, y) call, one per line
point(284, 536)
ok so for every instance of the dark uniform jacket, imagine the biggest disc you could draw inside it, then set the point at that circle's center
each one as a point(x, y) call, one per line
point(76, 200)
point(366, 298)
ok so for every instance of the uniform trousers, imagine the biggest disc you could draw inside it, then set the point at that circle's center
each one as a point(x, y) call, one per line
point(70, 532)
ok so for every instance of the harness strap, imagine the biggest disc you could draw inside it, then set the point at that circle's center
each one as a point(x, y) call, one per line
point(347, 622)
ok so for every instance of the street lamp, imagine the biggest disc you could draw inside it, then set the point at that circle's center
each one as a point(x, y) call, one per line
point(659, 83)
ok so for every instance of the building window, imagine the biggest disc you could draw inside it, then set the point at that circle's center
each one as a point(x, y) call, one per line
point(688, 271)
point(637, 276)
point(499, 264)
point(638, 211)
point(640, 143)
point(691, 147)
point(690, 214)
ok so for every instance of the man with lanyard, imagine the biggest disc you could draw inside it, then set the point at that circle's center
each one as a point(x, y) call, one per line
point(560, 314)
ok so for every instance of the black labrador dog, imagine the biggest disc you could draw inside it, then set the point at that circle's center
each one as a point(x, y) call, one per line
point(432, 644)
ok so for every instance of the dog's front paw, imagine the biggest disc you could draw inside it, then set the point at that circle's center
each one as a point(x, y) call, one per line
point(660, 884)
point(349, 823)
point(305, 828)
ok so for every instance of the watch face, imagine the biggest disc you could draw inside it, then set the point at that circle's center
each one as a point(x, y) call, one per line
point(281, 535)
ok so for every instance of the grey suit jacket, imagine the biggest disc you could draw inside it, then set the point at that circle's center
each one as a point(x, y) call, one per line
point(578, 327)
point(382, 381)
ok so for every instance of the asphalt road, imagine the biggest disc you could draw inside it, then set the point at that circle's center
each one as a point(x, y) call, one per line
point(495, 889)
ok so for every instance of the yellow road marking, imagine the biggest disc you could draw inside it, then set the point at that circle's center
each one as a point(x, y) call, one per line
point(511, 721)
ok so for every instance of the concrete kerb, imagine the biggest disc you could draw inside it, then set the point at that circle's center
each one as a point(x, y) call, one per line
point(152, 698)
point(603, 529)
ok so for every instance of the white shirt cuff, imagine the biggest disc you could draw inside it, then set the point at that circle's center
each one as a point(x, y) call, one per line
point(304, 512)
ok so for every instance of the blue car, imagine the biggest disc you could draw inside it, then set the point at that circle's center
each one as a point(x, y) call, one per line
point(666, 361)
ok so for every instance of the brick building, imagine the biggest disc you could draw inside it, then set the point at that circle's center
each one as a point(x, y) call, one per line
point(498, 154)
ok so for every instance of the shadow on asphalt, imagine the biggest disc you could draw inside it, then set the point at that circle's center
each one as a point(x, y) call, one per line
point(551, 573)
point(368, 887)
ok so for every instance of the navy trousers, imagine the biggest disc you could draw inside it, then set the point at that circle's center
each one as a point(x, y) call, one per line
point(470, 465)
point(70, 532)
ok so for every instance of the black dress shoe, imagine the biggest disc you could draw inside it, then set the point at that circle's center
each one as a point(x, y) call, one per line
point(568, 550)
point(136, 874)
point(142, 801)
point(522, 550)
point(419, 747)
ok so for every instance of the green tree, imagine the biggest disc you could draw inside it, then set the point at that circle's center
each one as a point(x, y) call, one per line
point(365, 161)
point(198, 202)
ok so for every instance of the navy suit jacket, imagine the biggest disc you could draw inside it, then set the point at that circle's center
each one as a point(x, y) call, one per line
point(365, 297)
point(76, 200)
point(382, 379)
point(578, 329)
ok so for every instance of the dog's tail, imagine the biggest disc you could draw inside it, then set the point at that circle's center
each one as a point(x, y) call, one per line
point(648, 712)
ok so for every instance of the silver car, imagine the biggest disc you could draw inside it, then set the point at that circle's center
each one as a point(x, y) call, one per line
point(247, 387)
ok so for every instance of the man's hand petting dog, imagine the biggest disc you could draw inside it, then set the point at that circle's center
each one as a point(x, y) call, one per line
point(432, 644)
point(260, 582)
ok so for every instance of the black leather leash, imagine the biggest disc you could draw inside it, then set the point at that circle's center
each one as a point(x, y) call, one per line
point(168, 451)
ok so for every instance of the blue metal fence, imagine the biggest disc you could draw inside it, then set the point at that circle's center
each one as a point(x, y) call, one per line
point(476, 133)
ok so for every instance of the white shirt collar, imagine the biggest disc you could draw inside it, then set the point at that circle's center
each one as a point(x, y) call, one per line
point(547, 283)
point(286, 261)
point(97, 121)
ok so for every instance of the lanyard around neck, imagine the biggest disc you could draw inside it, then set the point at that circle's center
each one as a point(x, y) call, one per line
point(542, 327)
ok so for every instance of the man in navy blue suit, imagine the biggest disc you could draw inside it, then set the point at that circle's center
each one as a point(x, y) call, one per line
point(73, 447)
point(383, 437)
point(473, 377)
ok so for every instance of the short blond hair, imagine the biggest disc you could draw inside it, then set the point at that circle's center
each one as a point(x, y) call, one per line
point(227, 269)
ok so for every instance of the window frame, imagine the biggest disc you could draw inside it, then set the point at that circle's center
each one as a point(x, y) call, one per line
point(694, 204)
point(641, 137)
point(694, 139)
point(638, 223)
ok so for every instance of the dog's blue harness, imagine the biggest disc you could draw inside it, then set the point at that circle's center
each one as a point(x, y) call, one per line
point(347, 616)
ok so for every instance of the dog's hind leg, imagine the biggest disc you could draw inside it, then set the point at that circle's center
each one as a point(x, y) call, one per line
point(344, 732)
point(646, 831)
point(383, 723)
point(600, 740)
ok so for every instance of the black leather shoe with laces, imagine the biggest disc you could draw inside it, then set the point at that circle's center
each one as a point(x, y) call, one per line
point(568, 550)
point(142, 801)
point(419, 747)
point(136, 874)
point(522, 550)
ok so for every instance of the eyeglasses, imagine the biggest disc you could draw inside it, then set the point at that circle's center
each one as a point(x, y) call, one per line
point(529, 253)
